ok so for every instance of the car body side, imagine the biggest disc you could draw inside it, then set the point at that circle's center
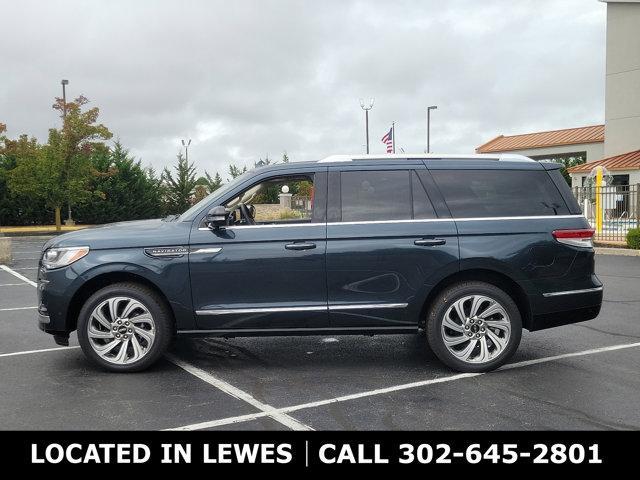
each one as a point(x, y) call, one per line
point(516, 253)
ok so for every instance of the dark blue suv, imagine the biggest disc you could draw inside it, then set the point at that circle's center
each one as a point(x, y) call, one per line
point(469, 249)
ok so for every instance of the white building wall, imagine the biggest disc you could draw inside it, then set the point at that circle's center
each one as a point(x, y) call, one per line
point(622, 96)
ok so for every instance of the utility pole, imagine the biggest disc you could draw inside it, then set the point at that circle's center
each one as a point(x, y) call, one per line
point(366, 107)
point(186, 149)
point(432, 107)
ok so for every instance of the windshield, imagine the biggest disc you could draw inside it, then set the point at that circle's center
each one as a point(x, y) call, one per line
point(189, 214)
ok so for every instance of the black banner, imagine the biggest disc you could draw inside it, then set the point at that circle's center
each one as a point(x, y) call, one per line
point(324, 451)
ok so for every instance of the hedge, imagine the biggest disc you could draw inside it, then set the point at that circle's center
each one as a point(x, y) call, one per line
point(633, 238)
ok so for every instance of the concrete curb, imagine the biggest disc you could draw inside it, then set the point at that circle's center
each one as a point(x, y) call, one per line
point(626, 252)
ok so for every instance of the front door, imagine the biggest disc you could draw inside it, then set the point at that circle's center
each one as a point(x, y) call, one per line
point(268, 272)
point(386, 246)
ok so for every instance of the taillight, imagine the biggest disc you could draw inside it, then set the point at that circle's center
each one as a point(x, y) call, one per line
point(577, 238)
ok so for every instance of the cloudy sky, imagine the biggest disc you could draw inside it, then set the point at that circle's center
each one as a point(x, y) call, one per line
point(245, 79)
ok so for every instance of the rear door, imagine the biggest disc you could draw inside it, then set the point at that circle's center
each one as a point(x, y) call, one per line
point(387, 245)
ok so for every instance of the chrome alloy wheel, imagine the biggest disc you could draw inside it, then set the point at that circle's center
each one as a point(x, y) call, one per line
point(121, 330)
point(476, 328)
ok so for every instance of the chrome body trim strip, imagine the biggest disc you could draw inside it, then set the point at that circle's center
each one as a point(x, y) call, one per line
point(367, 306)
point(573, 292)
point(228, 311)
point(310, 308)
point(205, 250)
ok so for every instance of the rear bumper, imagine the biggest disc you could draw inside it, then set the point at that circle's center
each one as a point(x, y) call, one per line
point(563, 307)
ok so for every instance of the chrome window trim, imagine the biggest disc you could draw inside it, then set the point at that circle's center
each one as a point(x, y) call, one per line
point(309, 308)
point(572, 292)
point(420, 220)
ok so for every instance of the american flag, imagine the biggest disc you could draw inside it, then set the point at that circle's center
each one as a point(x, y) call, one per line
point(388, 139)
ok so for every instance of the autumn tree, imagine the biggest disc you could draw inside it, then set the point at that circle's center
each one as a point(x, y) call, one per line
point(61, 172)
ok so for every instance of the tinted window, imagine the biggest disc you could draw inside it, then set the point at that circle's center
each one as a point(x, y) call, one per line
point(499, 193)
point(375, 195)
point(422, 207)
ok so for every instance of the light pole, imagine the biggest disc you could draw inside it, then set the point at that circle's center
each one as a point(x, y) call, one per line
point(64, 83)
point(432, 107)
point(186, 149)
point(366, 107)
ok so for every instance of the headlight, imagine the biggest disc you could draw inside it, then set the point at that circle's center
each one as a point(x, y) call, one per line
point(61, 257)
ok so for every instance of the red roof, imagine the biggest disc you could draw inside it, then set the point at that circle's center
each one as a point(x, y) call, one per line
point(626, 161)
point(553, 138)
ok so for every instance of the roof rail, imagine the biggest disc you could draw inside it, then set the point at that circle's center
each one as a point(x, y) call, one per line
point(504, 157)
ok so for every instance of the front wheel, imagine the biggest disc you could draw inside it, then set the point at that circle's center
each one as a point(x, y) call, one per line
point(474, 326)
point(124, 327)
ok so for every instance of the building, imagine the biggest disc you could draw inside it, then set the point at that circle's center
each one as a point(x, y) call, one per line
point(616, 144)
point(622, 84)
point(586, 142)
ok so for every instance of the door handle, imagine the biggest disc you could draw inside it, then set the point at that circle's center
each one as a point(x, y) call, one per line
point(300, 246)
point(430, 242)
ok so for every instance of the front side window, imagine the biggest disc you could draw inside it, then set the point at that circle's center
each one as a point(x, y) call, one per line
point(499, 193)
point(276, 200)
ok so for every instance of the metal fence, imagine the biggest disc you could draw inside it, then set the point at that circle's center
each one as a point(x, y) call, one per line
point(620, 208)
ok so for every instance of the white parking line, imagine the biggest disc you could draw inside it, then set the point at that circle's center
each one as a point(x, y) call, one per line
point(396, 388)
point(267, 410)
point(14, 285)
point(27, 352)
point(18, 275)
point(16, 308)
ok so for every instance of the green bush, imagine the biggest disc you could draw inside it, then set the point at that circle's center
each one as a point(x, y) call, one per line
point(633, 238)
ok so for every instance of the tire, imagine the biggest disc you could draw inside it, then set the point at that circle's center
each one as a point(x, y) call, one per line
point(494, 337)
point(145, 327)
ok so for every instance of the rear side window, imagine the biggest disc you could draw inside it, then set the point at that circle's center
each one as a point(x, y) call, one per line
point(499, 193)
point(422, 207)
point(371, 195)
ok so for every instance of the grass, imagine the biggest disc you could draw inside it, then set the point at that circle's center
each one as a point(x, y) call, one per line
point(40, 229)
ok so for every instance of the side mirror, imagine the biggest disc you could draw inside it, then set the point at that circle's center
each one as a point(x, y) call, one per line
point(217, 217)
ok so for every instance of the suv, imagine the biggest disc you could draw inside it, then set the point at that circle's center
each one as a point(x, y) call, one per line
point(469, 249)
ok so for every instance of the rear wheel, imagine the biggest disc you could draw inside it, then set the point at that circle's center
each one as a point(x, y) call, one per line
point(474, 326)
point(124, 327)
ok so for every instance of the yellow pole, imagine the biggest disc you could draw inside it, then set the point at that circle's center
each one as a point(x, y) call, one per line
point(598, 199)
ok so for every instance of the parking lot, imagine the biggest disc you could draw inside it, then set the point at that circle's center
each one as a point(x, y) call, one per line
point(584, 376)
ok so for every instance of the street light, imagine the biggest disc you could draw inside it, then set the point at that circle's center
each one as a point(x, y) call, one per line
point(186, 149)
point(432, 107)
point(64, 83)
point(366, 107)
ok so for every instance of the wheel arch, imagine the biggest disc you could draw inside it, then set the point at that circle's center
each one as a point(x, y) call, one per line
point(499, 279)
point(102, 280)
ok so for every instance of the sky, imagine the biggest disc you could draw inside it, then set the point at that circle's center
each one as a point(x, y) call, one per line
point(248, 79)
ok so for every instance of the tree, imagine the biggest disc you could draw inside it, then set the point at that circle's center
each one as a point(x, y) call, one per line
point(180, 188)
point(213, 183)
point(569, 162)
point(122, 189)
point(18, 207)
point(236, 171)
point(60, 173)
point(285, 157)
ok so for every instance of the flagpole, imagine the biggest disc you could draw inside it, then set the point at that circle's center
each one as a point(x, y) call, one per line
point(393, 135)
